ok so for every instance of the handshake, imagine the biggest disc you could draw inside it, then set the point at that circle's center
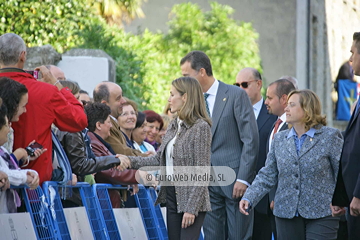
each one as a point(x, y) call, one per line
point(124, 162)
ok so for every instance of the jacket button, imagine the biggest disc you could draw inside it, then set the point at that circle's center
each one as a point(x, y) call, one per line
point(296, 187)
point(296, 175)
point(177, 203)
point(296, 163)
point(175, 192)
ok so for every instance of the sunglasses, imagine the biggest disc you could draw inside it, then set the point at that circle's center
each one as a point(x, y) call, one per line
point(244, 84)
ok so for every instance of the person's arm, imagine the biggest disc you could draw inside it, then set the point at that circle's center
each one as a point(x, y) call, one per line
point(69, 114)
point(75, 149)
point(201, 154)
point(249, 136)
point(266, 178)
point(138, 161)
point(114, 176)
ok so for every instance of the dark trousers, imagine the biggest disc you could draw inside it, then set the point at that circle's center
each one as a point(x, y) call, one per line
point(174, 220)
point(299, 228)
point(225, 220)
point(262, 226)
point(353, 226)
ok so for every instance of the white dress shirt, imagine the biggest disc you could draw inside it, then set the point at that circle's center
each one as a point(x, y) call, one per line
point(169, 153)
point(257, 107)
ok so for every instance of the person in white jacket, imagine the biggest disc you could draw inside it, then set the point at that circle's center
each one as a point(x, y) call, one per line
point(9, 198)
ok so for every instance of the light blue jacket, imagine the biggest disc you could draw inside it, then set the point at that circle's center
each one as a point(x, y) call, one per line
point(306, 182)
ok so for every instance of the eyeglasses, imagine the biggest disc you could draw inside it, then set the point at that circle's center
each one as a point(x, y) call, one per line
point(244, 84)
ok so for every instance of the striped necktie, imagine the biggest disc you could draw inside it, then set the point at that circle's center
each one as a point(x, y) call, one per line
point(206, 95)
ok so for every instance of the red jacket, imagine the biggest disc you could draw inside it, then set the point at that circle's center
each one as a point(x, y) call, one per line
point(46, 105)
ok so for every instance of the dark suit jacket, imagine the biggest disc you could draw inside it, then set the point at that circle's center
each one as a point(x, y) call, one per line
point(348, 183)
point(283, 127)
point(265, 122)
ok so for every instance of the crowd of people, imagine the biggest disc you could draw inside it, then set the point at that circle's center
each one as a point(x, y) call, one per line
point(294, 176)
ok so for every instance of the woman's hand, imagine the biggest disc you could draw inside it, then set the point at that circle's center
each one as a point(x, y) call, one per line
point(4, 181)
point(135, 189)
point(32, 179)
point(244, 207)
point(124, 162)
point(188, 220)
point(37, 152)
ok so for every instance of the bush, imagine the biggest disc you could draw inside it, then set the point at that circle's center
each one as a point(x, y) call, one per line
point(41, 22)
point(147, 63)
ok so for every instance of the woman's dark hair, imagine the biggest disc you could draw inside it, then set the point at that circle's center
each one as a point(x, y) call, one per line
point(3, 113)
point(140, 119)
point(345, 72)
point(11, 93)
point(96, 112)
point(152, 116)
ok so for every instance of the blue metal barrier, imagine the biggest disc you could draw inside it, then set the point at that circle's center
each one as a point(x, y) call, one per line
point(159, 216)
point(88, 198)
point(36, 204)
point(143, 201)
point(104, 203)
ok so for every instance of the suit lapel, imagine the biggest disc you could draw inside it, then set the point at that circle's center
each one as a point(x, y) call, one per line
point(263, 116)
point(309, 143)
point(219, 105)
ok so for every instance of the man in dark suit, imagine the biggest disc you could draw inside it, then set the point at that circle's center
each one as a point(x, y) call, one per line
point(347, 191)
point(276, 102)
point(250, 80)
point(235, 143)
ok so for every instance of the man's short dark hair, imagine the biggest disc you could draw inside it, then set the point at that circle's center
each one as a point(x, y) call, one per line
point(102, 93)
point(83, 92)
point(96, 112)
point(11, 93)
point(198, 60)
point(356, 38)
point(283, 86)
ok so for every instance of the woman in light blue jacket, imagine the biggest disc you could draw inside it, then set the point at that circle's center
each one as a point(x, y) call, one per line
point(304, 161)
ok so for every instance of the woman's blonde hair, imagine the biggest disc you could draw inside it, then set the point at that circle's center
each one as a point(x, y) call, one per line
point(194, 106)
point(311, 105)
point(166, 119)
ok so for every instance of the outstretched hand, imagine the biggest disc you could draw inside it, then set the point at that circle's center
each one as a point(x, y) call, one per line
point(124, 162)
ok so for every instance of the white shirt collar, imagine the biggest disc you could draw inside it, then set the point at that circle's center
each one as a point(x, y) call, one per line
point(283, 118)
point(257, 107)
point(213, 89)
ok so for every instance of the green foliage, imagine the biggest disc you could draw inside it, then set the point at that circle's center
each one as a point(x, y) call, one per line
point(41, 22)
point(147, 63)
point(231, 46)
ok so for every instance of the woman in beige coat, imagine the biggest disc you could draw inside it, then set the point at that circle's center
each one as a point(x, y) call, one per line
point(186, 143)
